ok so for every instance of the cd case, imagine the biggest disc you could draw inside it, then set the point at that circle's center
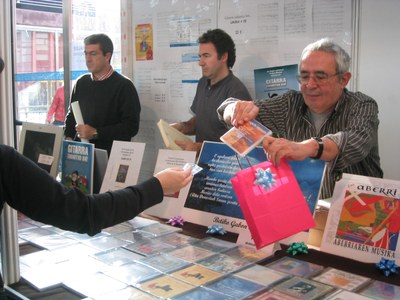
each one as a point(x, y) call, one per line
point(246, 137)
point(341, 279)
point(295, 267)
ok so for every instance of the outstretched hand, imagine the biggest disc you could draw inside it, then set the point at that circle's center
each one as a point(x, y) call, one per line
point(239, 112)
point(174, 179)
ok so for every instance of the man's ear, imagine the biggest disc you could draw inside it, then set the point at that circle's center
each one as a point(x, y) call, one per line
point(224, 57)
point(345, 79)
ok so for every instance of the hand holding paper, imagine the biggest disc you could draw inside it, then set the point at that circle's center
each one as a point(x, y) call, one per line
point(76, 109)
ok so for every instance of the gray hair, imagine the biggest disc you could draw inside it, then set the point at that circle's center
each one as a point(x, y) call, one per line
point(327, 45)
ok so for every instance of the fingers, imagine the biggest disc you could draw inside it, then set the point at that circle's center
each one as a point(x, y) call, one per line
point(174, 179)
point(275, 149)
point(185, 145)
point(244, 111)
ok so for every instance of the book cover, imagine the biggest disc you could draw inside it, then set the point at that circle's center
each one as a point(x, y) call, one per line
point(172, 205)
point(364, 219)
point(274, 81)
point(246, 137)
point(170, 135)
point(123, 165)
point(77, 165)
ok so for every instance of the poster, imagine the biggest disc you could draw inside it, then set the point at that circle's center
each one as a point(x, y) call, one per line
point(275, 81)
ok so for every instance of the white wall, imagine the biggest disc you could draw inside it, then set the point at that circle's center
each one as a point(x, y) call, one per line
point(379, 74)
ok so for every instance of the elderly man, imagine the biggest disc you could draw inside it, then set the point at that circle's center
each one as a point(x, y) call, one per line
point(322, 121)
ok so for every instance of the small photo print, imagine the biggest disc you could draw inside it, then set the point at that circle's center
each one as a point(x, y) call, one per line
point(122, 173)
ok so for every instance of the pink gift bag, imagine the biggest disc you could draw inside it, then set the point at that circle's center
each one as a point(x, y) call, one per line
point(274, 210)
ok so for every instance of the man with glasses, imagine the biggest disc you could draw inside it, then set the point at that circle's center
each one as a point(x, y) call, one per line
point(108, 100)
point(322, 121)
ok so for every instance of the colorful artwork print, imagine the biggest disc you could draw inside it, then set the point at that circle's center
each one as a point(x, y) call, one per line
point(144, 42)
point(371, 220)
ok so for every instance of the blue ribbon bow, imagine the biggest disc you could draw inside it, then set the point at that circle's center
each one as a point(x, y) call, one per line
point(216, 229)
point(387, 266)
point(265, 178)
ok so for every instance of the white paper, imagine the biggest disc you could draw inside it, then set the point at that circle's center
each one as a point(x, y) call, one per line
point(76, 109)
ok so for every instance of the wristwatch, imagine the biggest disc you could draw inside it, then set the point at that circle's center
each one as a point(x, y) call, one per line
point(95, 136)
point(320, 149)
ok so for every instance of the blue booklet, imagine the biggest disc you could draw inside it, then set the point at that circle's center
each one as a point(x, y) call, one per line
point(77, 165)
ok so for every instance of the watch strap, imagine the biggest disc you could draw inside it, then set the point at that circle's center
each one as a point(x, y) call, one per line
point(320, 149)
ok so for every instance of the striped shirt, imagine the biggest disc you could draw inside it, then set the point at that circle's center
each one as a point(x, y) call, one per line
point(103, 76)
point(353, 126)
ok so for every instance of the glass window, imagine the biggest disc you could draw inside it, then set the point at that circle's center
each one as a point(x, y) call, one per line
point(39, 69)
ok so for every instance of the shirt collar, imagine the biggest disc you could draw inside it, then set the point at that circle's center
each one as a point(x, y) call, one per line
point(104, 75)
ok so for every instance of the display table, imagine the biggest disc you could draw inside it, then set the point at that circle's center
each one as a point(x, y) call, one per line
point(314, 256)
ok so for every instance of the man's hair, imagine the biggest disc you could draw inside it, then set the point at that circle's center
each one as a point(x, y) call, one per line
point(342, 58)
point(1, 65)
point(106, 45)
point(222, 43)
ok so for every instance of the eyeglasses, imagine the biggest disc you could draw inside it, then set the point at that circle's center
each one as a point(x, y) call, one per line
point(319, 78)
